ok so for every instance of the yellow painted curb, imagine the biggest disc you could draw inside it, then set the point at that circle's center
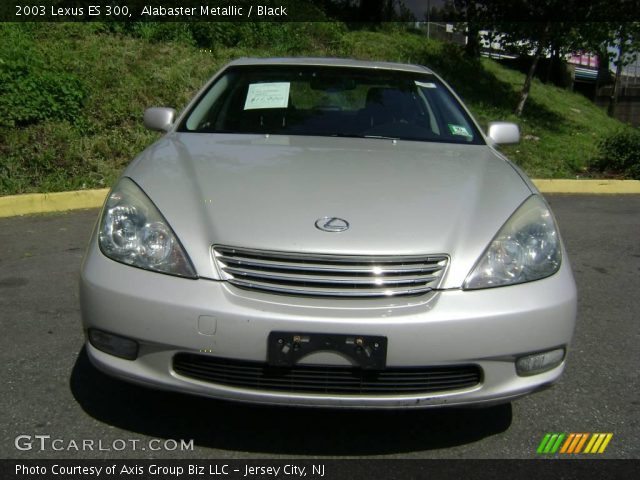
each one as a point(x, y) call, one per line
point(593, 187)
point(13, 205)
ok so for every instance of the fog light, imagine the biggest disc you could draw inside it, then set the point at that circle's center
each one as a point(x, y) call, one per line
point(114, 344)
point(539, 362)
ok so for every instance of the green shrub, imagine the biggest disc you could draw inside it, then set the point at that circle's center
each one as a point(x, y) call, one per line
point(278, 37)
point(31, 89)
point(161, 31)
point(29, 95)
point(72, 94)
point(620, 153)
point(219, 34)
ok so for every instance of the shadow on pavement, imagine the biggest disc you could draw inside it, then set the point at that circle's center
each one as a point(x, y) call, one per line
point(277, 430)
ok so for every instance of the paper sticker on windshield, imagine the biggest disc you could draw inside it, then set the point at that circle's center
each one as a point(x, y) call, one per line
point(425, 84)
point(458, 130)
point(267, 95)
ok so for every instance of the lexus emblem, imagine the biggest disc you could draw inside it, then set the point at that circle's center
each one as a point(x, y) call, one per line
point(332, 224)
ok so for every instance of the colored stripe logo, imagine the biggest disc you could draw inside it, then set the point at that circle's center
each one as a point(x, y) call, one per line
point(574, 443)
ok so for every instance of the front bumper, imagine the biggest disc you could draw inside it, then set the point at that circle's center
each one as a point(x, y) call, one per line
point(489, 328)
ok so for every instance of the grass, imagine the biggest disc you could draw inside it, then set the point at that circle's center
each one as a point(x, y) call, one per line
point(560, 129)
point(121, 74)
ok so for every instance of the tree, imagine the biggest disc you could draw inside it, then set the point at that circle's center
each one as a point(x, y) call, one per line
point(473, 14)
point(371, 12)
point(616, 43)
point(553, 28)
point(531, 28)
point(625, 37)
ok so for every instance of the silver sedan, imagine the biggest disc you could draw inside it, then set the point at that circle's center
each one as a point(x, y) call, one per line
point(333, 233)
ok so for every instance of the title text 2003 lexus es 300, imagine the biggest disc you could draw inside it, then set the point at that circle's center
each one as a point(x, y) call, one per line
point(328, 232)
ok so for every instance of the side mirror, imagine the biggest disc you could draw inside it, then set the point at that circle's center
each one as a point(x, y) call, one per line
point(159, 118)
point(503, 133)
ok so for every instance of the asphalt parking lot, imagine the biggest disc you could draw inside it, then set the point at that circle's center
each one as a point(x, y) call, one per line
point(49, 387)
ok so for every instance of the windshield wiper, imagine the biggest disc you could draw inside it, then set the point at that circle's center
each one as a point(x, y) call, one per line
point(353, 135)
point(383, 137)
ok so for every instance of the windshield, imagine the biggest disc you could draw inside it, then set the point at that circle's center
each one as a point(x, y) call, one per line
point(331, 101)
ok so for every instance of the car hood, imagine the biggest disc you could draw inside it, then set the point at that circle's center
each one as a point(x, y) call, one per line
point(266, 192)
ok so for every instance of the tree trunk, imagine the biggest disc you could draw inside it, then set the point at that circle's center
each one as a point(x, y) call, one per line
point(603, 71)
point(550, 66)
point(554, 71)
point(613, 100)
point(524, 94)
point(472, 48)
point(598, 78)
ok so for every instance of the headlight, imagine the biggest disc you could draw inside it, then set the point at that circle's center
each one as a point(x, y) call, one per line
point(526, 248)
point(133, 231)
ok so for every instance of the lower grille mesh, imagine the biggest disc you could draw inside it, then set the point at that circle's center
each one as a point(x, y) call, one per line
point(326, 379)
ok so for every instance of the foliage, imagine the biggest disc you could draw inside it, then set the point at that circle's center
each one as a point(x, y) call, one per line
point(121, 69)
point(31, 90)
point(358, 13)
point(620, 153)
point(283, 36)
point(616, 42)
point(540, 28)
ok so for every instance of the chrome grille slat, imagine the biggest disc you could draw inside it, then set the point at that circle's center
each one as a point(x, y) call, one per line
point(371, 293)
point(328, 258)
point(311, 279)
point(326, 275)
point(311, 268)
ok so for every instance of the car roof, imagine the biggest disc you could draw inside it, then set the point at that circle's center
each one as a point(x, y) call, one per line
point(333, 62)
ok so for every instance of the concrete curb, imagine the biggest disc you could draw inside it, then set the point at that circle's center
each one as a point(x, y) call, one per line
point(592, 187)
point(13, 205)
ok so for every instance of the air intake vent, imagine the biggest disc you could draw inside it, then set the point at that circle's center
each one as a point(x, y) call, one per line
point(326, 379)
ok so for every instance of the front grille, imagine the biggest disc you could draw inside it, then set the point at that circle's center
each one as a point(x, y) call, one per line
point(329, 275)
point(326, 379)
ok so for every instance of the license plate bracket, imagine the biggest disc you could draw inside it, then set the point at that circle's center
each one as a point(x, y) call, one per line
point(285, 349)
